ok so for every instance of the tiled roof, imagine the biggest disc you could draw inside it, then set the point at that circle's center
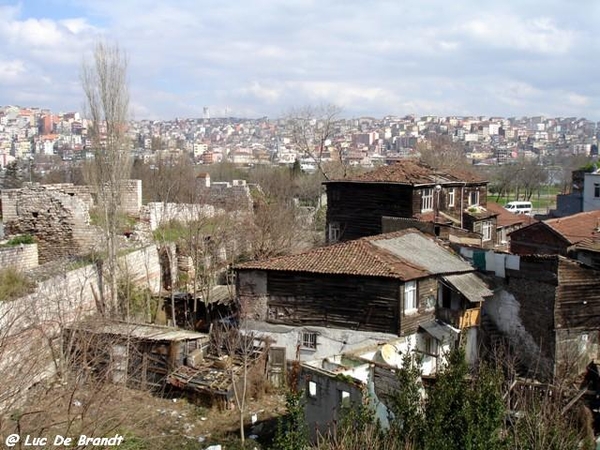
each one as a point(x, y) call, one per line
point(506, 218)
point(414, 172)
point(404, 255)
point(577, 227)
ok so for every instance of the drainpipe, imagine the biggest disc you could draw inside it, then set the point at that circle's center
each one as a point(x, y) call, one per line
point(462, 194)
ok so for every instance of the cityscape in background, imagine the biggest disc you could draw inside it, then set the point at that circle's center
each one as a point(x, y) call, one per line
point(362, 141)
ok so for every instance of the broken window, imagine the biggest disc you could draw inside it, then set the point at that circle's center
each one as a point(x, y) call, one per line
point(335, 232)
point(309, 340)
point(344, 399)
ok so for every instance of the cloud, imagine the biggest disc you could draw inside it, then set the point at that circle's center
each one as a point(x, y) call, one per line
point(266, 56)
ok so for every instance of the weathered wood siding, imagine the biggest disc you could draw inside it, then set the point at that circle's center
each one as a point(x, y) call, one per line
point(534, 287)
point(537, 239)
point(426, 301)
point(359, 207)
point(578, 296)
point(360, 303)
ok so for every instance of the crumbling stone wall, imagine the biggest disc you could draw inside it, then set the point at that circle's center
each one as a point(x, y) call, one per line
point(20, 257)
point(234, 196)
point(58, 218)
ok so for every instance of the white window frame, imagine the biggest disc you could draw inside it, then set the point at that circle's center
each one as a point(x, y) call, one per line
point(309, 340)
point(334, 232)
point(451, 195)
point(427, 199)
point(486, 231)
point(410, 297)
point(476, 195)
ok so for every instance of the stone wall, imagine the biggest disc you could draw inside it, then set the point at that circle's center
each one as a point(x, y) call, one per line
point(58, 218)
point(20, 257)
point(131, 197)
point(30, 326)
point(157, 213)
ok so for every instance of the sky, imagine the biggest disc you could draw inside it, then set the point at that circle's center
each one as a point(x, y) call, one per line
point(254, 58)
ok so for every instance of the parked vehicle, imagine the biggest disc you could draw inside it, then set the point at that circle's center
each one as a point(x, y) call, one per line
point(519, 207)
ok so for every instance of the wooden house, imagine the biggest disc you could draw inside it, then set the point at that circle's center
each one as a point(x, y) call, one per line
point(410, 189)
point(138, 355)
point(506, 223)
point(556, 236)
point(548, 307)
point(377, 287)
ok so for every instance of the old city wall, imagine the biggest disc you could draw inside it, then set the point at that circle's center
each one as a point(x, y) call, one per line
point(21, 257)
point(31, 325)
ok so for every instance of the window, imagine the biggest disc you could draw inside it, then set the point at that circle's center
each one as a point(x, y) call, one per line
point(309, 340)
point(473, 198)
point(427, 200)
point(596, 190)
point(312, 389)
point(410, 297)
point(450, 197)
point(334, 232)
point(344, 399)
point(430, 346)
point(486, 230)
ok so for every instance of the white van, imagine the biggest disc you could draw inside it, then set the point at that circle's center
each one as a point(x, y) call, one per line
point(519, 207)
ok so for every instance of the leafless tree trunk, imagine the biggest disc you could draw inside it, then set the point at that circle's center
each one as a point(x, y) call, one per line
point(311, 130)
point(104, 81)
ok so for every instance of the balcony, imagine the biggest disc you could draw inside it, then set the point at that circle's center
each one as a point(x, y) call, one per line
point(460, 319)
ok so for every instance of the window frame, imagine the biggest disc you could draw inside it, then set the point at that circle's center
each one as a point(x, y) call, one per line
point(334, 232)
point(410, 289)
point(471, 194)
point(451, 197)
point(309, 340)
point(596, 190)
point(486, 231)
point(426, 199)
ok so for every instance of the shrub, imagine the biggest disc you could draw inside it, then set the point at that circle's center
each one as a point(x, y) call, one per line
point(13, 284)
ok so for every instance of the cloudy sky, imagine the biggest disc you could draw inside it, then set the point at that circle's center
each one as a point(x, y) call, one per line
point(252, 58)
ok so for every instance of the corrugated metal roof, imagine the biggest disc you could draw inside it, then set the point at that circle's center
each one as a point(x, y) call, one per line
point(421, 251)
point(140, 331)
point(470, 285)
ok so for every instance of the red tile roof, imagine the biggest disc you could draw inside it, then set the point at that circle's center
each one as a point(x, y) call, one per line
point(577, 227)
point(361, 257)
point(506, 218)
point(414, 172)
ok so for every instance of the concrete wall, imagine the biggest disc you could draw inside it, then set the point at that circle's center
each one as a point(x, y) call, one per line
point(330, 341)
point(20, 257)
point(590, 202)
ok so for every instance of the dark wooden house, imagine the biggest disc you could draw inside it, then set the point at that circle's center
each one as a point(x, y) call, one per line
point(391, 283)
point(549, 308)
point(410, 189)
point(556, 236)
point(138, 355)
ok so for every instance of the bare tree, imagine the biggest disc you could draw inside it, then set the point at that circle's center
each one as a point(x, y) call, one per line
point(104, 83)
point(440, 152)
point(312, 129)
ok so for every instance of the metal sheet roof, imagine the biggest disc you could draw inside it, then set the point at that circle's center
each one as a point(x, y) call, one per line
point(440, 331)
point(140, 331)
point(421, 251)
point(470, 285)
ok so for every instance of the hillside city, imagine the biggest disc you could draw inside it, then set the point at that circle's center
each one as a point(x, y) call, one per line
point(364, 141)
point(302, 282)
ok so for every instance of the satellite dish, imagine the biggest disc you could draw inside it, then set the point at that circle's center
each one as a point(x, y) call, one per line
point(389, 355)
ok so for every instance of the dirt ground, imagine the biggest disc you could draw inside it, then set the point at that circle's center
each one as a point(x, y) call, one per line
point(147, 421)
